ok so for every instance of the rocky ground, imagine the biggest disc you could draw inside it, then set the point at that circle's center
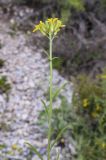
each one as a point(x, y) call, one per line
point(27, 72)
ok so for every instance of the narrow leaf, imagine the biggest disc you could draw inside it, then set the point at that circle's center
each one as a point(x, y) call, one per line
point(46, 53)
point(58, 136)
point(35, 150)
point(2, 146)
point(58, 156)
point(45, 107)
point(55, 58)
point(58, 91)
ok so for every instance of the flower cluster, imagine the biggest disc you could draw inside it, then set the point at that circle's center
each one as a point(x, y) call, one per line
point(89, 124)
point(101, 76)
point(103, 145)
point(95, 111)
point(50, 27)
point(85, 103)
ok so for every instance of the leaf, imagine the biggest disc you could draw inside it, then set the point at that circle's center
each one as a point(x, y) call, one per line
point(58, 156)
point(65, 14)
point(55, 58)
point(45, 107)
point(77, 4)
point(2, 146)
point(57, 63)
point(58, 91)
point(58, 136)
point(34, 150)
point(46, 53)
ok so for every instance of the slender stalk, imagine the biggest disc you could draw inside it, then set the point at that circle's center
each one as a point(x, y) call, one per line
point(50, 107)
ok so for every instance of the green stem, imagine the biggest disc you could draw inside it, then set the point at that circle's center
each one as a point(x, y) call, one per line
point(50, 107)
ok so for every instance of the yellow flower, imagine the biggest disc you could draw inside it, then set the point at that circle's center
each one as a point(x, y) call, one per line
point(85, 103)
point(52, 20)
point(94, 114)
point(41, 27)
point(103, 145)
point(103, 76)
point(14, 147)
point(50, 27)
point(98, 108)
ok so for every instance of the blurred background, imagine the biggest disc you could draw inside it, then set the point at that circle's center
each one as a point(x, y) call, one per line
point(81, 44)
point(24, 71)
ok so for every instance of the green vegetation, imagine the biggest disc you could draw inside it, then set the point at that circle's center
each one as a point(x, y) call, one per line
point(86, 117)
point(57, 63)
point(61, 118)
point(4, 127)
point(89, 125)
point(1, 45)
point(1, 63)
point(4, 85)
point(103, 2)
point(65, 7)
point(2, 146)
